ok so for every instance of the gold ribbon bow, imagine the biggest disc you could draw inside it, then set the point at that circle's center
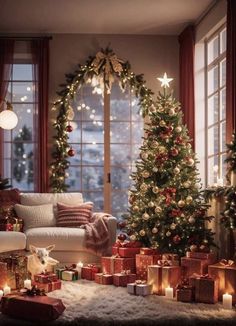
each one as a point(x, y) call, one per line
point(225, 262)
point(108, 62)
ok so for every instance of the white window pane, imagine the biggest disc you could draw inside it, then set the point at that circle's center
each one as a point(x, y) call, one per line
point(92, 178)
point(223, 165)
point(213, 139)
point(23, 92)
point(120, 177)
point(119, 104)
point(93, 132)
point(212, 110)
point(212, 80)
point(120, 132)
point(223, 136)
point(223, 104)
point(97, 198)
point(74, 178)
point(22, 72)
point(213, 49)
point(212, 175)
point(92, 154)
point(223, 41)
point(222, 73)
point(120, 154)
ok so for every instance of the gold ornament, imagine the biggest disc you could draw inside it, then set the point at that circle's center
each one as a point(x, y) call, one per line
point(178, 129)
point(193, 248)
point(155, 190)
point(181, 203)
point(186, 184)
point(133, 237)
point(172, 112)
point(151, 204)
point(188, 145)
point(190, 162)
point(158, 210)
point(191, 220)
point(197, 186)
point(162, 123)
point(70, 113)
point(134, 225)
point(142, 233)
point(155, 144)
point(173, 226)
point(145, 174)
point(135, 208)
point(143, 187)
point(189, 199)
point(176, 170)
point(168, 233)
point(144, 156)
point(152, 108)
point(155, 169)
point(161, 149)
point(154, 230)
point(145, 216)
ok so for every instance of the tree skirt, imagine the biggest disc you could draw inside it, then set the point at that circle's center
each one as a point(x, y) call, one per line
point(88, 303)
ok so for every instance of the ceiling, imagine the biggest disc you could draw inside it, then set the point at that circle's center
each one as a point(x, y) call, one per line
point(163, 17)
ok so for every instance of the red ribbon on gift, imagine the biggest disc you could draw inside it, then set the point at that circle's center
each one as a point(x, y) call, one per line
point(227, 263)
point(137, 282)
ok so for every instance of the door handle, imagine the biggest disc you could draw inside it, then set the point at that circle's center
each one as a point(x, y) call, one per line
point(109, 177)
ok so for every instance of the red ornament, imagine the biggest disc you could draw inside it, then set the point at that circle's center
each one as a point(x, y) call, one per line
point(179, 140)
point(121, 224)
point(176, 239)
point(174, 152)
point(71, 152)
point(69, 128)
point(122, 237)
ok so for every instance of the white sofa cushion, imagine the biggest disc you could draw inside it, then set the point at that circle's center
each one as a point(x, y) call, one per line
point(70, 198)
point(65, 239)
point(36, 216)
point(10, 241)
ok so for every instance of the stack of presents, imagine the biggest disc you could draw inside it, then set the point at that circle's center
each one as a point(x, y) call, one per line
point(143, 271)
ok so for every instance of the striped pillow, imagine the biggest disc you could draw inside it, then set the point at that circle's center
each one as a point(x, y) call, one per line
point(74, 216)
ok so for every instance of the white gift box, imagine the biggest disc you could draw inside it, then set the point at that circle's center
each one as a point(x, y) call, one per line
point(67, 275)
point(139, 289)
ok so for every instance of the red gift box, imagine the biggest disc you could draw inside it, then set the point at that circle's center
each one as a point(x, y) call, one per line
point(125, 252)
point(225, 273)
point(48, 287)
point(185, 294)
point(170, 256)
point(148, 251)
point(192, 266)
point(112, 265)
point(88, 272)
point(206, 288)
point(45, 277)
point(105, 279)
point(211, 256)
point(34, 308)
point(142, 263)
point(121, 279)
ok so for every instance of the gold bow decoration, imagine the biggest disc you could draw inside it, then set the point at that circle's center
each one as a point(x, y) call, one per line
point(108, 62)
point(225, 262)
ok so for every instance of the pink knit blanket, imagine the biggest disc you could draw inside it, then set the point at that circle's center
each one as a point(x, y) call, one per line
point(97, 234)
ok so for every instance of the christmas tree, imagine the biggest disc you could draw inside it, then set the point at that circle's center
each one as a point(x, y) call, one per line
point(167, 210)
point(4, 183)
point(231, 159)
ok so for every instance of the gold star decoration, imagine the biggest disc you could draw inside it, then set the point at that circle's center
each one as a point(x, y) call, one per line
point(165, 81)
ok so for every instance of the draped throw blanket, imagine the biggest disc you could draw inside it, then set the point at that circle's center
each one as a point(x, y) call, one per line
point(97, 234)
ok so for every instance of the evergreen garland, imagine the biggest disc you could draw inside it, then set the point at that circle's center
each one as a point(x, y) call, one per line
point(231, 157)
point(106, 66)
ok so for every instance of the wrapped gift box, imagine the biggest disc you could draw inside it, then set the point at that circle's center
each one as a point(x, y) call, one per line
point(67, 273)
point(185, 294)
point(170, 257)
point(210, 256)
point(11, 224)
point(16, 269)
point(164, 262)
point(142, 263)
point(3, 275)
point(206, 288)
point(226, 276)
point(88, 272)
point(125, 252)
point(142, 289)
point(48, 287)
point(113, 264)
point(45, 277)
point(121, 279)
point(194, 265)
point(105, 279)
point(149, 251)
point(154, 278)
point(33, 308)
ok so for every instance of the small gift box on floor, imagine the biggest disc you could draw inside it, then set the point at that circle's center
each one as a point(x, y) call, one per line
point(105, 279)
point(34, 308)
point(139, 288)
point(48, 287)
point(225, 273)
point(146, 258)
point(67, 273)
point(185, 292)
point(194, 265)
point(206, 288)
point(88, 272)
point(114, 264)
point(123, 278)
point(45, 277)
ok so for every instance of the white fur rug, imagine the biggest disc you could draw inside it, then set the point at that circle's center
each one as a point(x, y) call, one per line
point(88, 303)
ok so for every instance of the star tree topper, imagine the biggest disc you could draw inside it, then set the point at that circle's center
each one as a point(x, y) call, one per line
point(165, 81)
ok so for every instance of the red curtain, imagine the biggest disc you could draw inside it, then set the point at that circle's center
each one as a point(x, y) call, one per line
point(6, 61)
point(231, 70)
point(40, 53)
point(186, 73)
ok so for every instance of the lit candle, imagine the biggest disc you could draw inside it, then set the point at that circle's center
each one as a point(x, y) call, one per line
point(79, 267)
point(227, 301)
point(27, 284)
point(6, 290)
point(169, 293)
point(1, 294)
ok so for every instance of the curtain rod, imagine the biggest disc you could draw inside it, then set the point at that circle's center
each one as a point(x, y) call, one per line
point(25, 37)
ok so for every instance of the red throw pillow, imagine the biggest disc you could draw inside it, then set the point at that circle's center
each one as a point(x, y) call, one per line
point(74, 216)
